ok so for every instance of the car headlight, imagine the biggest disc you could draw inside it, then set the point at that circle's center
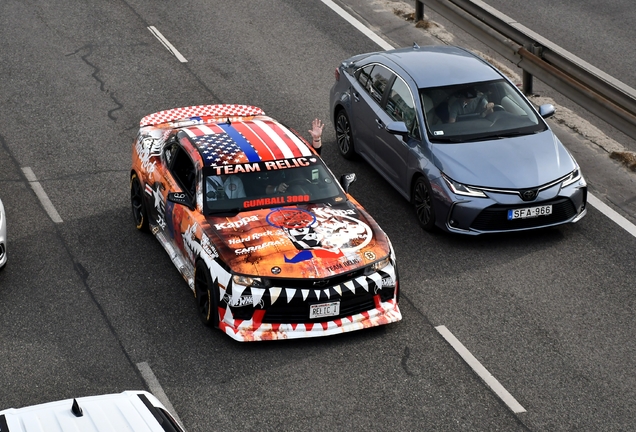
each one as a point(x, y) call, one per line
point(247, 281)
point(378, 265)
point(462, 189)
point(572, 178)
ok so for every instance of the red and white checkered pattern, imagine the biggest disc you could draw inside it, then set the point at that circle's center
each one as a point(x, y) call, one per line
point(185, 113)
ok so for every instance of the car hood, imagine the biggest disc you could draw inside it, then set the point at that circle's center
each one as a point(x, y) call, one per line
point(304, 241)
point(514, 163)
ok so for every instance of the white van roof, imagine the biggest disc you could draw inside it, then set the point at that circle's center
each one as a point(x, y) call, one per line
point(134, 411)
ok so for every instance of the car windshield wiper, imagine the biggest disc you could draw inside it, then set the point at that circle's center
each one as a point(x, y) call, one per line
point(448, 139)
point(511, 134)
point(501, 135)
point(232, 211)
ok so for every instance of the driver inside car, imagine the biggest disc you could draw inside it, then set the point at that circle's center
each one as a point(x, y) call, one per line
point(469, 102)
point(289, 181)
point(224, 186)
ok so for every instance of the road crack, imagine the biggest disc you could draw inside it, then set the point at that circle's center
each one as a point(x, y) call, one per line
point(88, 51)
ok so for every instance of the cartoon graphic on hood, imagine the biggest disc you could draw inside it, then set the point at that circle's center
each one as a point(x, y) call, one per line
point(325, 232)
point(301, 241)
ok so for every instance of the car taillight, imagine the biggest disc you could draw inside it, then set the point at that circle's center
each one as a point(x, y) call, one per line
point(337, 74)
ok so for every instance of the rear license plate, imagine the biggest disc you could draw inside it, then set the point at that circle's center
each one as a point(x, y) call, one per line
point(324, 310)
point(529, 212)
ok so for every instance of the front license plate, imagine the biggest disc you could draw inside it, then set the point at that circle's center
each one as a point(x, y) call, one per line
point(324, 310)
point(529, 212)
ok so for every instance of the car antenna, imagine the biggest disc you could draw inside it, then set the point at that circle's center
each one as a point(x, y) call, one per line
point(415, 45)
point(228, 121)
point(76, 409)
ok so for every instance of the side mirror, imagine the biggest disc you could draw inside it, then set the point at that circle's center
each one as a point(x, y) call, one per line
point(546, 110)
point(181, 198)
point(397, 128)
point(346, 180)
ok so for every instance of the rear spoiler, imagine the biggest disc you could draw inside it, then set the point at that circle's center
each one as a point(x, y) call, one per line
point(199, 114)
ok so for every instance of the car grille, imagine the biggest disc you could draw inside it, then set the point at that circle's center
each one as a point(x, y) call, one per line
point(355, 292)
point(298, 311)
point(316, 283)
point(495, 218)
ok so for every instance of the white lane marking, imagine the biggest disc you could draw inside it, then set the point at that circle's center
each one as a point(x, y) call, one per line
point(39, 191)
point(612, 214)
point(167, 44)
point(357, 24)
point(595, 202)
point(483, 373)
point(156, 389)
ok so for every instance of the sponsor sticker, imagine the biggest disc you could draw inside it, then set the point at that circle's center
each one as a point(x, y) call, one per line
point(290, 218)
point(236, 224)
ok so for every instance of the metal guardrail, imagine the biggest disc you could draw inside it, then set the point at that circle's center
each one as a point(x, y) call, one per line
point(597, 92)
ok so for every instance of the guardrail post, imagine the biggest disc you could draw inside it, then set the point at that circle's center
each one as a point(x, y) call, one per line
point(537, 50)
point(419, 10)
point(526, 87)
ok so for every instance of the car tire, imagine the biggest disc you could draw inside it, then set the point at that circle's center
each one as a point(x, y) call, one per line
point(206, 293)
point(140, 216)
point(423, 203)
point(344, 138)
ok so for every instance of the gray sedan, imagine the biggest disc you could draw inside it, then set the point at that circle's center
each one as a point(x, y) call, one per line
point(454, 136)
point(3, 237)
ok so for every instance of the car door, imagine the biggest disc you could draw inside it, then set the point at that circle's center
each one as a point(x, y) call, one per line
point(171, 220)
point(393, 150)
point(160, 183)
point(368, 92)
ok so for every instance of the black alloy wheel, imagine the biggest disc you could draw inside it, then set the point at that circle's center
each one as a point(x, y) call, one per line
point(137, 202)
point(206, 294)
point(423, 203)
point(343, 136)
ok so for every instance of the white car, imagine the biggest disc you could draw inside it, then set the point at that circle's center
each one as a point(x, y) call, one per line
point(3, 237)
point(129, 411)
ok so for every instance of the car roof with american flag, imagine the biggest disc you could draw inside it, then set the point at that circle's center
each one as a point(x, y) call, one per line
point(232, 134)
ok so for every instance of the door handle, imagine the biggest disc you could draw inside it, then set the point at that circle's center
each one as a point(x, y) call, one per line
point(356, 96)
point(379, 123)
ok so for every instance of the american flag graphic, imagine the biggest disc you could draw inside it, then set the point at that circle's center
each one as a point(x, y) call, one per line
point(243, 142)
point(219, 149)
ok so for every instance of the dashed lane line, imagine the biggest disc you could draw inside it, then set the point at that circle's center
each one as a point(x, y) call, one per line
point(42, 196)
point(481, 371)
point(167, 44)
point(156, 389)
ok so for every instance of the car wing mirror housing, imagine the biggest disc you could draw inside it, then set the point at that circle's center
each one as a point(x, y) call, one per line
point(181, 198)
point(346, 180)
point(397, 128)
point(546, 110)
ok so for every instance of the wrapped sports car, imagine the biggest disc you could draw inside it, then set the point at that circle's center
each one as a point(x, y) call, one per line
point(272, 246)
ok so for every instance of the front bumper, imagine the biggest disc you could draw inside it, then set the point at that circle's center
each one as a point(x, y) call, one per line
point(473, 216)
point(258, 314)
point(253, 330)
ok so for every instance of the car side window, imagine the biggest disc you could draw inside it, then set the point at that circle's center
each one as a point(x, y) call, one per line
point(375, 80)
point(400, 105)
point(182, 168)
point(364, 77)
point(381, 77)
point(169, 151)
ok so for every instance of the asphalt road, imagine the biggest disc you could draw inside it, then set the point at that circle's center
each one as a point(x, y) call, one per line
point(84, 301)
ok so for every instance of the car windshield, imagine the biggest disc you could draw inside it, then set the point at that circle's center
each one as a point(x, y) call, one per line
point(478, 111)
point(234, 188)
